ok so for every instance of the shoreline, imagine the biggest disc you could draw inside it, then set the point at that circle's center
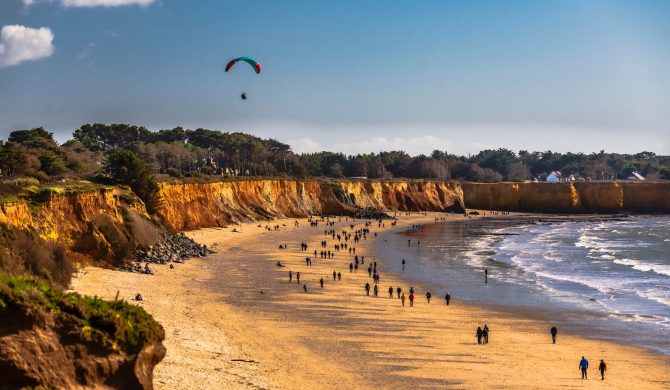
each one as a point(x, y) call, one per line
point(322, 338)
point(581, 319)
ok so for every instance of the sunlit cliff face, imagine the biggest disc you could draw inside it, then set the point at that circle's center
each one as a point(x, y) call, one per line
point(190, 206)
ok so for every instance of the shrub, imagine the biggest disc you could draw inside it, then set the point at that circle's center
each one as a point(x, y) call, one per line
point(30, 254)
point(174, 172)
point(116, 325)
point(124, 167)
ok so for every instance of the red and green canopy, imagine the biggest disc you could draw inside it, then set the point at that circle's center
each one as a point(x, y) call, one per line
point(251, 61)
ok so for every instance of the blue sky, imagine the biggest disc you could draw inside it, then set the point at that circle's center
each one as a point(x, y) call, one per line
point(350, 76)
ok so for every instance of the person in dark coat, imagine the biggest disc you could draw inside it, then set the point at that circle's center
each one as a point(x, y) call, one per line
point(554, 332)
point(602, 368)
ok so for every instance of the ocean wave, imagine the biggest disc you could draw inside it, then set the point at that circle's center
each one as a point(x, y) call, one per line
point(660, 269)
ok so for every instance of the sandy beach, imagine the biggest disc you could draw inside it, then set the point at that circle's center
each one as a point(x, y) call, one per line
point(233, 320)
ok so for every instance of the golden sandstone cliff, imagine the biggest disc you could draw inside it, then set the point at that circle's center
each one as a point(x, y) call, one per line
point(99, 222)
point(106, 223)
point(570, 197)
point(103, 223)
point(191, 206)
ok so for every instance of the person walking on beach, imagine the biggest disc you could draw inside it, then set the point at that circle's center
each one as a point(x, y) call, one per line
point(602, 368)
point(290, 276)
point(428, 295)
point(554, 332)
point(402, 298)
point(297, 276)
point(398, 290)
point(403, 264)
point(486, 275)
point(370, 271)
point(321, 281)
point(334, 275)
point(390, 292)
point(411, 299)
point(304, 287)
point(367, 289)
point(485, 334)
point(351, 267)
point(376, 290)
point(583, 366)
point(339, 276)
point(480, 333)
point(447, 298)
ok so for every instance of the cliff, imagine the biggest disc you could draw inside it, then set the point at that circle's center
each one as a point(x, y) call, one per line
point(49, 339)
point(570, 197)
point(98, 222)
point(191, 206)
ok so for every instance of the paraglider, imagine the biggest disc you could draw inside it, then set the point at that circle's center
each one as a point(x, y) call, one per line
point(251, 61)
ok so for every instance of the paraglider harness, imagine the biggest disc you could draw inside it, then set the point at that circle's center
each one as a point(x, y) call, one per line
point(243, 96)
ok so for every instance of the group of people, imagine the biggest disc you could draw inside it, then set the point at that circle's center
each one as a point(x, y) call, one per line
point(482, 333)
point(584, 367)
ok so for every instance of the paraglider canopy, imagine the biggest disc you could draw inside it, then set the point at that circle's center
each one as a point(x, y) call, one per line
point(251, 61)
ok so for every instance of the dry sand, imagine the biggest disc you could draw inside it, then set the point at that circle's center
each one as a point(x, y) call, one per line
point(232, 320)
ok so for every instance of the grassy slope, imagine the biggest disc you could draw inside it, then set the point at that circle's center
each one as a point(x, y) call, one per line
point(116, 325)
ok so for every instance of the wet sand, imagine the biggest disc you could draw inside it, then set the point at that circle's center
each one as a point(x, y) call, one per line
point(232, 320)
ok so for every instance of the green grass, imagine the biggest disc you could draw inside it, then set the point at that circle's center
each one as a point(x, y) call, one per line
point(117, 325)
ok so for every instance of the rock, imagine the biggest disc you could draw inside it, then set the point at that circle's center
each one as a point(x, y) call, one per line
point(172, 248)
point(48, 346)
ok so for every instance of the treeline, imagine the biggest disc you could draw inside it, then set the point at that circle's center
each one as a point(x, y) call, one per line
point(118, 151)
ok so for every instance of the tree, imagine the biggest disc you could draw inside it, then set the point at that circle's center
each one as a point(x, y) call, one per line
point(37, 137)
point(52, 164)
point(101, 137)
point(13, 161)
point(518, 171)
point(124, 167)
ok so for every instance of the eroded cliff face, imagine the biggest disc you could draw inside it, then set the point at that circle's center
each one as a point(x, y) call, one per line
point(50, 339)
point(46, 352)
point(94, 223)
point(192, 206)
point(577, 197)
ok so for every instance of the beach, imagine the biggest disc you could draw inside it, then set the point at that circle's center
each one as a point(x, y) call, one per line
point(233, 320)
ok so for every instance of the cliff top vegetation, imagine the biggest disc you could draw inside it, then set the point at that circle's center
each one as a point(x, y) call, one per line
point(180, 153)
point(114, 325)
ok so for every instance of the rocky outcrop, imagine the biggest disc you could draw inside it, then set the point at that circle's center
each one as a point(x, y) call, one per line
point(196, 205)
point(101, 223)
point(570, 197)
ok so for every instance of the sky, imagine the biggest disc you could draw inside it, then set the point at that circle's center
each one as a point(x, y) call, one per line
point(351, 76)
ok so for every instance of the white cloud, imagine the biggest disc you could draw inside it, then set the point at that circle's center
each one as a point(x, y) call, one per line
point(86, 53)
point(305, 145)
point(19, 44)
point(103, 3)
point(458, 138)
point(411, 145)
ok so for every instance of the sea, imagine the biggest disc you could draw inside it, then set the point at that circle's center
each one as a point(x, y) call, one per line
point(606, 279)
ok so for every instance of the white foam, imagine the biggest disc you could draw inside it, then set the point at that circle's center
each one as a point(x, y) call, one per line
point(645, 267)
